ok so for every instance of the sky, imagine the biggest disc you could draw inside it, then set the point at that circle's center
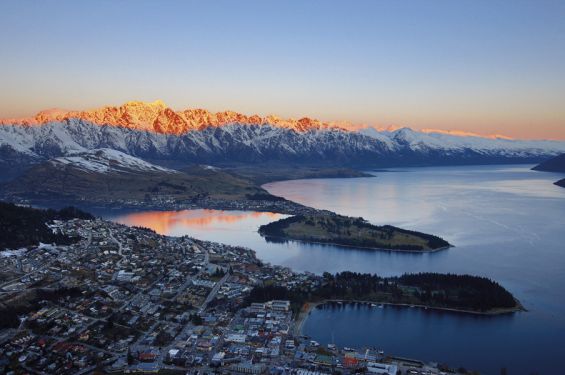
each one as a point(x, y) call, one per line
point(484, 66)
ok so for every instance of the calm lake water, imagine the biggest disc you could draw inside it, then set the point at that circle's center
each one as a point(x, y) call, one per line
point(507, 223)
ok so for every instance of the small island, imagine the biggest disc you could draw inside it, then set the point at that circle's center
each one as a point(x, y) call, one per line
point(349, 231)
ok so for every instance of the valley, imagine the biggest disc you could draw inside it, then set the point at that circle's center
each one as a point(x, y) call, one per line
point(112, 179)
point(270, 172)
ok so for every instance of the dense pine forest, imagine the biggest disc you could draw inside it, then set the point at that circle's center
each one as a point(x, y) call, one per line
point(460, 292)
point(26, 226)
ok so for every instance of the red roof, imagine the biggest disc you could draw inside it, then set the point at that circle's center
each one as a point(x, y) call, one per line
point(350, 361)
point(145, 356)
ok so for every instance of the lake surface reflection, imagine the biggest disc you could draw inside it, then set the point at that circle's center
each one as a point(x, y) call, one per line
point(203, 224)
point(506, 222)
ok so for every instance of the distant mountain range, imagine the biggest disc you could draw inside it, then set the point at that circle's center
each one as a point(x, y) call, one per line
point(556, 164)
point(156, 133)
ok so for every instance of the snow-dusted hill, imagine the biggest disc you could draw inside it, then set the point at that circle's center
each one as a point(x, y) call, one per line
point(106, 160)
point(106, 176)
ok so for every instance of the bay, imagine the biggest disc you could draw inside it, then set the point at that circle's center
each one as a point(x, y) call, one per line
point(506, 222)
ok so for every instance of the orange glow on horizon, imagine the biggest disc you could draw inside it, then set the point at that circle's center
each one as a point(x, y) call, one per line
point(157, 117)
point(462, 133)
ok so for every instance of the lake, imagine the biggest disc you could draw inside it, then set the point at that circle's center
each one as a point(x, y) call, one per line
point(506, 222)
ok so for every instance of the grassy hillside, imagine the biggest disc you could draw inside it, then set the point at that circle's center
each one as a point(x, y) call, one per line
point(46, 182)
point(348, 231)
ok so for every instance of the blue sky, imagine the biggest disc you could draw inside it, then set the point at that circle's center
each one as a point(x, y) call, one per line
point(483, 66)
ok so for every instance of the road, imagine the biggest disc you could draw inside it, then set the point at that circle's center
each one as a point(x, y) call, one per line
point(213, 293)
point(116, 241)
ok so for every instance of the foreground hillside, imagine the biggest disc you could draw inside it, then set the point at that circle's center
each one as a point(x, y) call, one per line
point(24, 226)
point(348, 231)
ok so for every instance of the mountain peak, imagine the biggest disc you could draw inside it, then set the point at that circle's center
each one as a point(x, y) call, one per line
point(157, 117)
point(405, 133)
point(155, 104)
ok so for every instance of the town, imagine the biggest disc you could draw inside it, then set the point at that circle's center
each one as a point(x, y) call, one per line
point(161, 202)
point(127, 300)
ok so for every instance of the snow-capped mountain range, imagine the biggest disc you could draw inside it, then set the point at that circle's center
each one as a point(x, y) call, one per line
point(154, 132)
point(444, 141)
point(159, 118)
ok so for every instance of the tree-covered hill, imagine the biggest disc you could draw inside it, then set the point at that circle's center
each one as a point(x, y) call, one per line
point(26, 226)
point(448, 291)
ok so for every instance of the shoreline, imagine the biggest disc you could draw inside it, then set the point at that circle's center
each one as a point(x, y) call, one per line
point(362, 174)
point(308, 307)
point(303, 315)
point(280, 207)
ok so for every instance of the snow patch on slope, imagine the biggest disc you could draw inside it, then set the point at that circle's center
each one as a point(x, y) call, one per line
point(106, 160)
